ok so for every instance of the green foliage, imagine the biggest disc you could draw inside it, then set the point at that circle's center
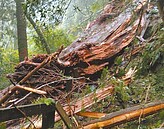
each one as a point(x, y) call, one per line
point(47, 101)
point(2, 125)
point(58, 37)
point(105, 78)
point(118, 60)
point(121, 90)
point(153, 55)
point(8, 59)
point(159, 83)
point(118, 70)
point(149, 79)
point(55, 38)
point(161, 115)
point(96, 6)
point(143, 86)
point(48, 12)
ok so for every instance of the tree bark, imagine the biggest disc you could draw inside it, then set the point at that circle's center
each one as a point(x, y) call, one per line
point(21, 31)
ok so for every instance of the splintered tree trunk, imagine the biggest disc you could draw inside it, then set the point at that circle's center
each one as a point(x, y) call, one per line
point(103, 39)
point(101, 42)
point(21, 31)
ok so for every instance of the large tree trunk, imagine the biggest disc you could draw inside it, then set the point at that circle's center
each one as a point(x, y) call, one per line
point(104, 38)
point(21, 31)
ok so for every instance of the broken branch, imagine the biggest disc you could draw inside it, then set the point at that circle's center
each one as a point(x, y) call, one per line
point(125, 115)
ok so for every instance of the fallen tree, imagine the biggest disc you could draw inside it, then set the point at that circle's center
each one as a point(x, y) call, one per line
point(72, 68)
point(97, 47)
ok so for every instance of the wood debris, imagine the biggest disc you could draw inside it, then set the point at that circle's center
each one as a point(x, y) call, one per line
point(125, 115)
point(70, 69)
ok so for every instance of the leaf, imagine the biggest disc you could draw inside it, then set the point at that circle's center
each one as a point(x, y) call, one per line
point(118, 60)
point(49, 101)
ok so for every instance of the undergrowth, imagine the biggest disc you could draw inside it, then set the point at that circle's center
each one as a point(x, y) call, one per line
point(8, 60)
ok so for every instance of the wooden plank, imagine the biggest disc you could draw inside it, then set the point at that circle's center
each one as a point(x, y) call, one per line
point(64, 116)
point(29, 110)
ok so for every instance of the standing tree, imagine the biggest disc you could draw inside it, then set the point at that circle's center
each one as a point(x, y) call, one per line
point(21, 31)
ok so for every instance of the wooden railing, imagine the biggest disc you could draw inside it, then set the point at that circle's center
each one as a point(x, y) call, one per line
point(47, 112)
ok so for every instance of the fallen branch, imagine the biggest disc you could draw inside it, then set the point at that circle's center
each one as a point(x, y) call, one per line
point(18, 87)
point(125, 115)
point(25, 78)
point(45, 61)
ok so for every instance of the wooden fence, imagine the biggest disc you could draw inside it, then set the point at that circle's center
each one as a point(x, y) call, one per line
point(47, 112)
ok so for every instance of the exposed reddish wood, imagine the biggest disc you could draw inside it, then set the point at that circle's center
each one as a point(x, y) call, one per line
point(91, 114)
point(91, 69)
point(82, 103)
point(103, 40)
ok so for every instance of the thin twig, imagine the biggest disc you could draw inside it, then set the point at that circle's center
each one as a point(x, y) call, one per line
point(44, 86)
point(24, 115)
point(147, 92)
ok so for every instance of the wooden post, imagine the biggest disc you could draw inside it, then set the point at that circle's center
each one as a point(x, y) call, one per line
point(48, 120)
point(64, 116)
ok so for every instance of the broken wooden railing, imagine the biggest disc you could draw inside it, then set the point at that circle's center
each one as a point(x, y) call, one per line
point(47, 112)
point(105, 120)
